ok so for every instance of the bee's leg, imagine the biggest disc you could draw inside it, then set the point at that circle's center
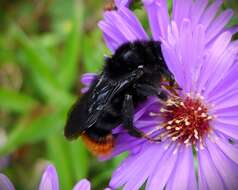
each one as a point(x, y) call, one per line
point(127, 114)
point(149, 90)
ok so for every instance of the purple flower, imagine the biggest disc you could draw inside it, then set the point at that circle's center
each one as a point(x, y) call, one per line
point(86, 80)
point(197, 125)
point(83, 185)
point(5, 183)
point(122, 3)
point(49, 181)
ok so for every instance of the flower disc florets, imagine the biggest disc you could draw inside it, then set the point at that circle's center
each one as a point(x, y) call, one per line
point(186, 120)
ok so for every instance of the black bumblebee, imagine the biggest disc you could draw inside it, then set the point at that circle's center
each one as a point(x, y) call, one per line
point(135, 71)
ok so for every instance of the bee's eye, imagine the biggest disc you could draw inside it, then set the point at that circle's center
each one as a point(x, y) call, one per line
point(128, 56)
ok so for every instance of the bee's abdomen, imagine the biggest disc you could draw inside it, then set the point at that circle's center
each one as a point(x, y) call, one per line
point(99, 145)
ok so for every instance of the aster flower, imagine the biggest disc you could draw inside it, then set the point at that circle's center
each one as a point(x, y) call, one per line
point(49, 181)
point(198, 124)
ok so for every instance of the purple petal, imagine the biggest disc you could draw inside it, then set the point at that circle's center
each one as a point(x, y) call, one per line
point(208, 173)
point(197, 10)
point(135, 169)
point(197, 53)
point(210, 13)
point(84, 90)
point(186, 53)
point(121, 26)
point(230, 111)
point(163, 170)
point(202, 184)
point(5, 183)
point(226, 168)
point(145, 107)
point(169, 49)
point(181, 10)
point(49, 179)
point(158, 17)
point(218, 24)
point(229, 149)
point(226, 85)
point(213, 56)
point(122, 3)
point(179, 53)
point(233, 30)
point(222, 68)
point(112, 37)
point(183, 175)
point(230, 120)
point(87, 78)
point(125, 142)
point(110, 41)
point(227, 129)
point(134, 23)
point(226, 101)
point(83, 184)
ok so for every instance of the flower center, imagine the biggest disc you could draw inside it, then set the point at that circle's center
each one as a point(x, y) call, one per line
point(186, 121)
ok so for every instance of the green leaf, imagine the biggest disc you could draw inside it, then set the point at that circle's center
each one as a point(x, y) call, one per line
point(117, 160)
point(38, 57)
point(69, 65)
point(45, 79)
point(79, 159)
point(58, 153)
point(104, 175)
point(16, 101)
point(35, 126)
point(93, 60)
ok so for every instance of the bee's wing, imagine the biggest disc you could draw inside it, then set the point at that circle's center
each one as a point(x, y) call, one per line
point(78, 114)
point(101, 97)
point(103, 93)
point(86, 111)
point(75, 124)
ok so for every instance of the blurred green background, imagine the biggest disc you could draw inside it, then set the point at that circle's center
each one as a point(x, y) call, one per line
point(45, 46)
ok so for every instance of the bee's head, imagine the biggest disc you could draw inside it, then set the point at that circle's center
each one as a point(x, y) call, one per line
point(131, 60)
point(125, 60)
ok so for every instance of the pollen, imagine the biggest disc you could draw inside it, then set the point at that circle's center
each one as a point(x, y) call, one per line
point(186, 120)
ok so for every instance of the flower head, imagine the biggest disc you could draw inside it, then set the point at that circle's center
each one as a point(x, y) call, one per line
point(198, 124)
point(49, 181)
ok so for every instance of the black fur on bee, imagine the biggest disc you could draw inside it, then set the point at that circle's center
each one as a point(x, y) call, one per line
point(134, 72)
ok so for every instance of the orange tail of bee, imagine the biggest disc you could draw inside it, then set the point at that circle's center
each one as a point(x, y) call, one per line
point(100, 147)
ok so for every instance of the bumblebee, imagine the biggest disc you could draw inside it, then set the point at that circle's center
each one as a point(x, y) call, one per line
point(133, 73)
